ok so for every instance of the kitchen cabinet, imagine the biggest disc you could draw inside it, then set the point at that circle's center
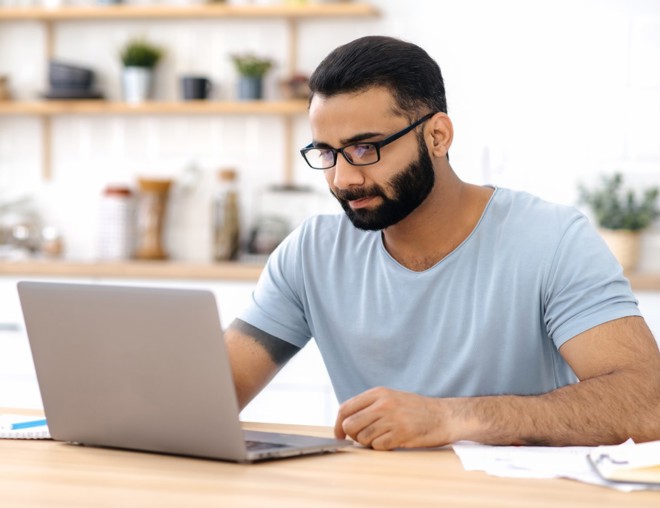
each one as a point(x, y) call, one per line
point(293, 14)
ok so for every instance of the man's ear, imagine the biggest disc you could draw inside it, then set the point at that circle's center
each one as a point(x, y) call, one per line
point(439, 134)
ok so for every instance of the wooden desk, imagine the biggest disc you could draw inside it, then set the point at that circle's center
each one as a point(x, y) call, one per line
point(47, 473)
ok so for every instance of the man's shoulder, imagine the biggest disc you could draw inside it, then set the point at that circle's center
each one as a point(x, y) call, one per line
point(519, 207)
point(522, 223)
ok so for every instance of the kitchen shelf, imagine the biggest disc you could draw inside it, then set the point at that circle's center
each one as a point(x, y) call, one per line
point(640, 281)
point(123, 12)
point(230, 271)
point(198, 107)
point(290, 13)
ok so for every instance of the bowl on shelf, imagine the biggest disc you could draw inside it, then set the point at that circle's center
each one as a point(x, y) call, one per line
point(70, 82)
point(66, 76)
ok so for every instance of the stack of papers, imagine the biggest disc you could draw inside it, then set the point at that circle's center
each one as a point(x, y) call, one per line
point(626, 467)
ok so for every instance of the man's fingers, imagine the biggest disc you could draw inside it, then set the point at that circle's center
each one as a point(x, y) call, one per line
point(339, 428)
point(368, 435)
point(385, 419)
point(361, 426)
point(351, 418)
point(385, 441)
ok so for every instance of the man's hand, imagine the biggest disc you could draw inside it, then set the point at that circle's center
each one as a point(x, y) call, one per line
point(385, 419)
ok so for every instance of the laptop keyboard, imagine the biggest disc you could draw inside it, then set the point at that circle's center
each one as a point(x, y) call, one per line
point(254, 446)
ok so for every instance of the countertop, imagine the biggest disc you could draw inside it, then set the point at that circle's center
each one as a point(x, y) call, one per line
point(235, 271)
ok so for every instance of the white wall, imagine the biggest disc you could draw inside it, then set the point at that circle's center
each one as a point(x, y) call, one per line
point(543, 94)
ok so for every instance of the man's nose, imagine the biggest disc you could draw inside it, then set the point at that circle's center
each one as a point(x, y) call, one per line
point(346, 175)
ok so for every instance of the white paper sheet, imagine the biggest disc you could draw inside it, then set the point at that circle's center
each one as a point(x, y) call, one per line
point(539, 462)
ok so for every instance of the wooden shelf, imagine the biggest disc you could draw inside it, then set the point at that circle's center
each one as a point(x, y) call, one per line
point(45, 109)
point(231, 271)
point(189, 270)
point(201, 107)
point(109, 12)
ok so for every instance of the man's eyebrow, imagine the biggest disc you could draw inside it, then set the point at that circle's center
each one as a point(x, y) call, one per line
point(348, 141)
point(360, 137)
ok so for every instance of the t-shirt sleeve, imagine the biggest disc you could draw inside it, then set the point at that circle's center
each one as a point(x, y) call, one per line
point(585, 286)
point(276, 306)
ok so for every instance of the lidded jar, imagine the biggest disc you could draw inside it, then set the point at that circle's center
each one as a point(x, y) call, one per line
point(116, 226)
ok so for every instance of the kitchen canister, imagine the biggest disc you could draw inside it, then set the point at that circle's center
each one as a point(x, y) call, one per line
point(151, 213)
point(116, 232)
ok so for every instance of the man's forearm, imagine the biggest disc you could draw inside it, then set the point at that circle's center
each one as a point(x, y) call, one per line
point(618, 398)
point(605, 409)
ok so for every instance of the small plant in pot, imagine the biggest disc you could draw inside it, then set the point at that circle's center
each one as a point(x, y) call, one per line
point(251, 70)
point(139, 58)
point(296, 87)
point(621, 215)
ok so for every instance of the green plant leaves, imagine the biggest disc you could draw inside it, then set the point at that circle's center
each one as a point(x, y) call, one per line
point(617, 208)
point(140, 53)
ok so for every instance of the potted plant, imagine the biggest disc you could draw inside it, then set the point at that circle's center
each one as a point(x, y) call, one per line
point(296, 87)
point(139, 58)
point(621, 215)
point(251, 70)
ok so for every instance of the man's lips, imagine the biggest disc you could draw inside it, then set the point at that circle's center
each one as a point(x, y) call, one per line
point(362, 202)
point(359, 199)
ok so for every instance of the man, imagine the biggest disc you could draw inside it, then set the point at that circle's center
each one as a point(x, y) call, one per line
point(444, 311)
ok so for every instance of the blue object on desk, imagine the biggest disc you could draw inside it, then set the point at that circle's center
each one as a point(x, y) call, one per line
point(27, 425)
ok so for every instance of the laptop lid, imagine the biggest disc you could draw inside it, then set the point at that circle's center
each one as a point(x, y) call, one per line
point(139, 368)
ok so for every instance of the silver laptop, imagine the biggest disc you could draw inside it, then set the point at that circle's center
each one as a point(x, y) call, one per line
point(144, 369)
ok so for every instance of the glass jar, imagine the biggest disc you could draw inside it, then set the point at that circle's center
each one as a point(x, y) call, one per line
point(152, 204)
point(226, 223)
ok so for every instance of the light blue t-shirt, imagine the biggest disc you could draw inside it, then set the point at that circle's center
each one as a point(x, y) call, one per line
point(487, 319)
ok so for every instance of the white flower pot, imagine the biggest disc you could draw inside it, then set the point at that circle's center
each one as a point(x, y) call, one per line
point(137, 84)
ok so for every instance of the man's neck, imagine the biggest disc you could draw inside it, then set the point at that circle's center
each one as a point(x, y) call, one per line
point(439, 225)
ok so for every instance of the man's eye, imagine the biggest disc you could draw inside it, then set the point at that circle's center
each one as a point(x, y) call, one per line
point(363, 149)
point(325, 154)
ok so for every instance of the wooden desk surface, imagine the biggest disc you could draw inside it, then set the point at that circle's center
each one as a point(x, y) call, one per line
point(48, 473)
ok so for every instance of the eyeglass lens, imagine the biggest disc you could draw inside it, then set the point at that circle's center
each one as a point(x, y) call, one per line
point(357, 154)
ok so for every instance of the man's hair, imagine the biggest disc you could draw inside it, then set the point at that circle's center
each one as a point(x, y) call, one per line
point(406, 70)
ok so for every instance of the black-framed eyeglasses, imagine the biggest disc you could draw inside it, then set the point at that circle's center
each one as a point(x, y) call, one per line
point(360, 153)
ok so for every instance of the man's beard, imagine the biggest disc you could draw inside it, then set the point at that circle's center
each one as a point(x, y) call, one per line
point(411, 187)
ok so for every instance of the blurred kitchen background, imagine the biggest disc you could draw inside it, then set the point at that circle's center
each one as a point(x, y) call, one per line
point(544, 95)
